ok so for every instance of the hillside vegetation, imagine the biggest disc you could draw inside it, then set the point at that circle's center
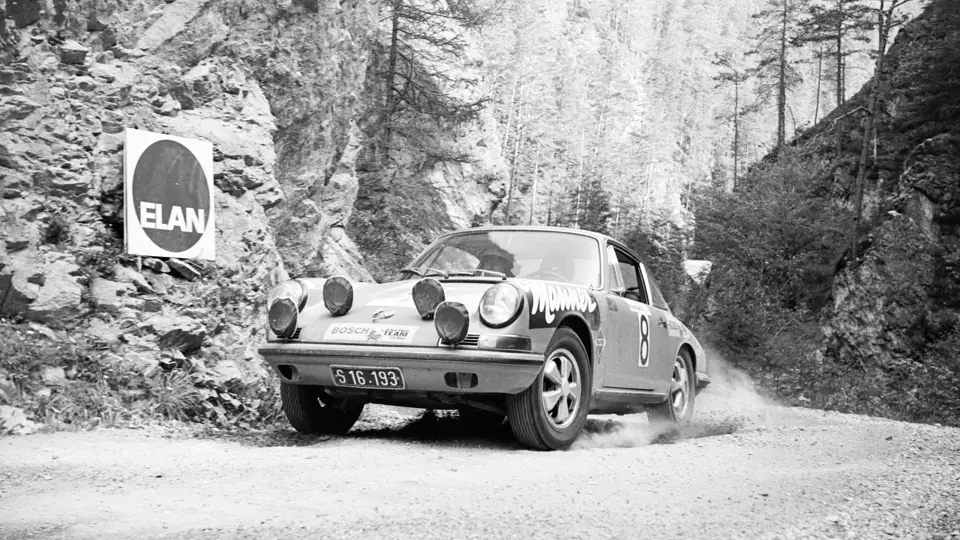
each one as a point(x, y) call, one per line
point(875, 330)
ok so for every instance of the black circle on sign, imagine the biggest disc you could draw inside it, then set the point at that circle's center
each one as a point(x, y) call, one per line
point(168, 174)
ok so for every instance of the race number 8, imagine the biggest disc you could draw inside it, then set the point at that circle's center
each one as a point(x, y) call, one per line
point(644, 339)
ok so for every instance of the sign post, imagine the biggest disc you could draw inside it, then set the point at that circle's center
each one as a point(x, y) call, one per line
point(168, 196)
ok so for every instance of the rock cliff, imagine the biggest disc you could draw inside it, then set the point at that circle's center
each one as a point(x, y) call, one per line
point(277, 86)
point(899, 301)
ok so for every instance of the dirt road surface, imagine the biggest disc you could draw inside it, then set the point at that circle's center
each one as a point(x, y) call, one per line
point(765, 473)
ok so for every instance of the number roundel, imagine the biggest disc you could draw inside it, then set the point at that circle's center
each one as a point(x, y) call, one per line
point(644, 340)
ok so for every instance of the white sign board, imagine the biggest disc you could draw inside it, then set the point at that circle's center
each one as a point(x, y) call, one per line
point(168, 196)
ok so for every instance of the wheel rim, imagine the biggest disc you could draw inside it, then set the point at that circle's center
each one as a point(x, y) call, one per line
point(561, 388)
point(679, 389)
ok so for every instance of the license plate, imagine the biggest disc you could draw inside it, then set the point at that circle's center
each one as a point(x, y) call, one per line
point(366, 377)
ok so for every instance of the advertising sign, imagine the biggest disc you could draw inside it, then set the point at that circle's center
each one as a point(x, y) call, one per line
point(168, 194)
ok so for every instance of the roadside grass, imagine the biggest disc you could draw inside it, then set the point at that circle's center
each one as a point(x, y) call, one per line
point(81, 391)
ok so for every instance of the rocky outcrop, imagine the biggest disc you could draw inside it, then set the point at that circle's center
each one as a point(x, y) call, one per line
point(902, 298)
point(904, 293)
point(277, 88)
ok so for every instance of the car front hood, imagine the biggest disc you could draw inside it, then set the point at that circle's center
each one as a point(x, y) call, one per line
point(384, 313)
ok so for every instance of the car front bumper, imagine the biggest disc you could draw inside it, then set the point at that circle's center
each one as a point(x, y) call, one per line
point(425, 369)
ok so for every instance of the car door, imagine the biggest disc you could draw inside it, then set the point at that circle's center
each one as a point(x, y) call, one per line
point(629, 336)
point(664, 343)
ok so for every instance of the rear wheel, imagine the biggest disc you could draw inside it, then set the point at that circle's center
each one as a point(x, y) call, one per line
point(550, 414)
point(310, 410)
point(679, 405)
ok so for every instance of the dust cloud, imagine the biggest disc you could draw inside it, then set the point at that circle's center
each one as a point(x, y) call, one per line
point(731, 403)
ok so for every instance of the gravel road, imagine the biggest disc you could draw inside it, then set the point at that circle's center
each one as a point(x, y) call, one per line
point(766, 472)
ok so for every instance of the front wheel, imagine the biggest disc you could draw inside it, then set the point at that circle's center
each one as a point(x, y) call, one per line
point(678, 407)
point(310, 410)
point(550, 414)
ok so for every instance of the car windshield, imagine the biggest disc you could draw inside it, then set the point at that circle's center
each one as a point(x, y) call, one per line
point(551, 256)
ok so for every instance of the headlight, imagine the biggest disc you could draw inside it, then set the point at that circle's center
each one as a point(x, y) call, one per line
point(284, 303)
point(500, 305)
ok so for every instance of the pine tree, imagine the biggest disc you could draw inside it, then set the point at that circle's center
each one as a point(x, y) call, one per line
point(595, 211)
point(840, 24)
point(775, 70)
point(424, 36)
point(733, 74)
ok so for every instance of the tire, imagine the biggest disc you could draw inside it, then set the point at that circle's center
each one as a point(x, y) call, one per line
point(310, 410)
point(480, 420)
point(669, 413)
point(537, 425)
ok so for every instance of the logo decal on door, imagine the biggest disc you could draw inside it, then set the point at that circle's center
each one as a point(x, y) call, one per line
point(644, 339)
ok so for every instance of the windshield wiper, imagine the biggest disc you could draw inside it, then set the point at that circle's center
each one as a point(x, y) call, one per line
point(428, 272)
point(484, 271)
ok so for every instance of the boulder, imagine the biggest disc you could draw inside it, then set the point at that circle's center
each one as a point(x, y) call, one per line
point(24, 12)
point(112, 297)
point(72, 52)
point(21, 235)
point(183, 333)
point(18, 285)
point(8, 389)
point(698, 271)
point(156, 265)
point(14, 422)
point(53, 376)
point(58, 300)
point(129, 275)
point(16, 108)
point(184, 269)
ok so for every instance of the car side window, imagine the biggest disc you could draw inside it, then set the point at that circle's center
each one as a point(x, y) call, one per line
point(630, 270)
point(613, 274)
point(658, 299)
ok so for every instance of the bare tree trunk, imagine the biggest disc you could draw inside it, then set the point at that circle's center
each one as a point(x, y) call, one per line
point(782, 98)
point(841, 84)
point(885, 20)
point(517, 142)
point(390, 101)
point(816, 113)
point(616, 223)
point(736, 131)
point(576, 218)
point(513, 101)
point(536, 172)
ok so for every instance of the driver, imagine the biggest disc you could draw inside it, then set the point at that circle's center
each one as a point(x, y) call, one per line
point(497, 262)
point(559, 265)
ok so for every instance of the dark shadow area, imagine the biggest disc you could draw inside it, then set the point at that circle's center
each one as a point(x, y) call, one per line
point(446, 429)
point(443, 429)
point(439, 428)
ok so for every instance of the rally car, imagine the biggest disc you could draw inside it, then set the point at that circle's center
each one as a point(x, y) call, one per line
point(535, 326)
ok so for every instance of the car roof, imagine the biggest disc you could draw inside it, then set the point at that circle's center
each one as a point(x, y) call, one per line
point(540, 228)
point(545, 228)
